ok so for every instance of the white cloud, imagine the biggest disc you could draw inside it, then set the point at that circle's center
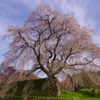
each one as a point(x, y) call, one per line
point(80, 9)
point(31, 4)
point(5, 21)
point(3, 27)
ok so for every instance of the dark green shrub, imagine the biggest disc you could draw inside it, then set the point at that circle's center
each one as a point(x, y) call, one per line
point(29, 88)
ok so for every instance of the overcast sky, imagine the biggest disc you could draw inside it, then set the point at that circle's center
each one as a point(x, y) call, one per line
point(15, 12)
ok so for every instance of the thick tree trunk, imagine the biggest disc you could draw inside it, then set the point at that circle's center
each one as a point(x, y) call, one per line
point(51, 87)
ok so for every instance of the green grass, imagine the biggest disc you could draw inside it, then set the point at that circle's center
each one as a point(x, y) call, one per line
point(84, 94)
point(76, 96)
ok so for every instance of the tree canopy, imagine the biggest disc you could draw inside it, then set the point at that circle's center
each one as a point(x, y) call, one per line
point(52, 43)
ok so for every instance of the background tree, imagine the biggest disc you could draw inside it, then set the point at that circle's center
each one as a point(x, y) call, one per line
point(75, 82)
point(52, 43)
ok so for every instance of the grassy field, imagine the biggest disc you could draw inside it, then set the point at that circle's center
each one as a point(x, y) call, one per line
point(84, 94)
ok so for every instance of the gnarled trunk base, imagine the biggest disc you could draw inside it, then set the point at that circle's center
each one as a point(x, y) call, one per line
point(51, 87)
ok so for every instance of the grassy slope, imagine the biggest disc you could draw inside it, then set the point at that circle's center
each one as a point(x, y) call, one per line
point(76, 96)
point(69, 96)
point(84, 94)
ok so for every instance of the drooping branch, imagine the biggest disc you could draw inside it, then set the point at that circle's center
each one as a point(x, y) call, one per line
point(55, 41)
point(37, 55)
